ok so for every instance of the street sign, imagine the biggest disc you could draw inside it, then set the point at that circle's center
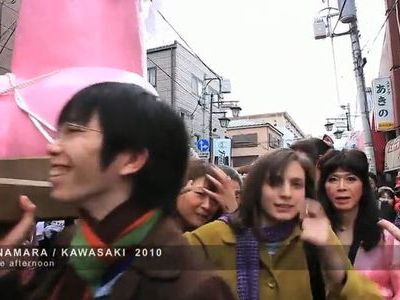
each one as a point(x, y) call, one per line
point(204, 155)
point(202, 145)
point(222, 151)
point(383, 104)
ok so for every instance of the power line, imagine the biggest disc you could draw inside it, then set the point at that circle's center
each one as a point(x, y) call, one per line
point(195, 54)
point(8, 38)
point(162, 70)
point(190, 93)
point(187, 44)
point(340, 15)
point(380, 29)
point(336, 73)
point(13, 25)
point(9, 7)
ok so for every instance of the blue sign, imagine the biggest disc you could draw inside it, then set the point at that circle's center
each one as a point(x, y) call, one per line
point(203, 145)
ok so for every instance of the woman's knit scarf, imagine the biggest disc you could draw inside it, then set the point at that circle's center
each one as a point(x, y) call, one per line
point(248, 255)
point(93, 269)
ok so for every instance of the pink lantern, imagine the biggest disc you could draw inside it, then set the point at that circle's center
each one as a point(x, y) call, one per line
point(61, 47)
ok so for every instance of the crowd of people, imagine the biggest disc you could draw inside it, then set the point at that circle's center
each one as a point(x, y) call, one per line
point(304, 223)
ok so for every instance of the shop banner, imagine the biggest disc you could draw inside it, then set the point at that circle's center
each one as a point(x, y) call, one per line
point(222, 151)
point(392, 155)
point(383, 104)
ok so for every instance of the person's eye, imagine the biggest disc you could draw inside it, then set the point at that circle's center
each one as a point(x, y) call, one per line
point(298, 184)
point(351, 178)
point(332, 179)
point(275, 181)
point(72, 128)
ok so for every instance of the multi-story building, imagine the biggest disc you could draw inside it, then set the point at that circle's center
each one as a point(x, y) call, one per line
point(179, 77)
point(386, 143)
point(281, 121)
point(252, 138)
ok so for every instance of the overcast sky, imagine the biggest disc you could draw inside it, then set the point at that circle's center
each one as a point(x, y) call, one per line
point(268, 51)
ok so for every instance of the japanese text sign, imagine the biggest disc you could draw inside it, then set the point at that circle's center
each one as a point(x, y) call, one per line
point(383, 104)
point(222, 151)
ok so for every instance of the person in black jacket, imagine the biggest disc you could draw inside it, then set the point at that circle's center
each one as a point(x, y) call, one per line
point(119, 156)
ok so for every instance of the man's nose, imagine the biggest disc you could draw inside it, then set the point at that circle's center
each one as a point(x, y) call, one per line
point(54, 148)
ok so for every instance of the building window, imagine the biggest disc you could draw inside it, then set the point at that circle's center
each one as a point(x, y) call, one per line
point(243, 160)
point(183, 113)
point(244, 140)
point(274, 141)
point(197, 86)
point(152, 76)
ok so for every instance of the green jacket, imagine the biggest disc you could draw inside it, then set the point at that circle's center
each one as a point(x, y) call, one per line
point(283, 275)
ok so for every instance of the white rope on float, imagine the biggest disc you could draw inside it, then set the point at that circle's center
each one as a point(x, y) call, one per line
point(42, 125)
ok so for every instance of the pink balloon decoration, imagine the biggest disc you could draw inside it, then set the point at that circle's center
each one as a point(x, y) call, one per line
point(61, 47)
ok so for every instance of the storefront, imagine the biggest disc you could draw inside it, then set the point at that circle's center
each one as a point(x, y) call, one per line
point(357, 141)
point(392, 159)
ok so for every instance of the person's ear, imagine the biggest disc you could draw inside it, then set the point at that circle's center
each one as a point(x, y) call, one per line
point(133, 162)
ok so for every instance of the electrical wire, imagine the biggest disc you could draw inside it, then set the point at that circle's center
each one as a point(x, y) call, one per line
point(8, 38)
point(162, 70)
point(380, 29)
point(190, 93)
point(187, 44)
point(195, 54)
point(340, 15)
point(9, 7)
point(335, 71)
point(3, 34)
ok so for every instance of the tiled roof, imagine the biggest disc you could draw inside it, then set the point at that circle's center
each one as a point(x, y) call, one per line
point(245, 122)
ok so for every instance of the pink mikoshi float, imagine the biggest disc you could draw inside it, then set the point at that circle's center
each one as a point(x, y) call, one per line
point(61, 47)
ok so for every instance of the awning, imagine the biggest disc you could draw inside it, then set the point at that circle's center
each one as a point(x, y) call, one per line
point(392, 155)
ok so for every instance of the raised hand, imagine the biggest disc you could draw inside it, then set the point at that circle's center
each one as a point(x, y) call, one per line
point(391, 228)
point(225, 191)
point(19, 232)
point(317, 230)
point(316, 227)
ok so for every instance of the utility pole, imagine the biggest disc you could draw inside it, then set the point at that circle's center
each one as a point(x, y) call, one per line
point(348, 15)
point(361, 94)
point(210, 129)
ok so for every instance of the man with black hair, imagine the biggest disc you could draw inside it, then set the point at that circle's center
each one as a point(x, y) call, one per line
point(120, 157)
point(314, 148)
point(373, 182)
